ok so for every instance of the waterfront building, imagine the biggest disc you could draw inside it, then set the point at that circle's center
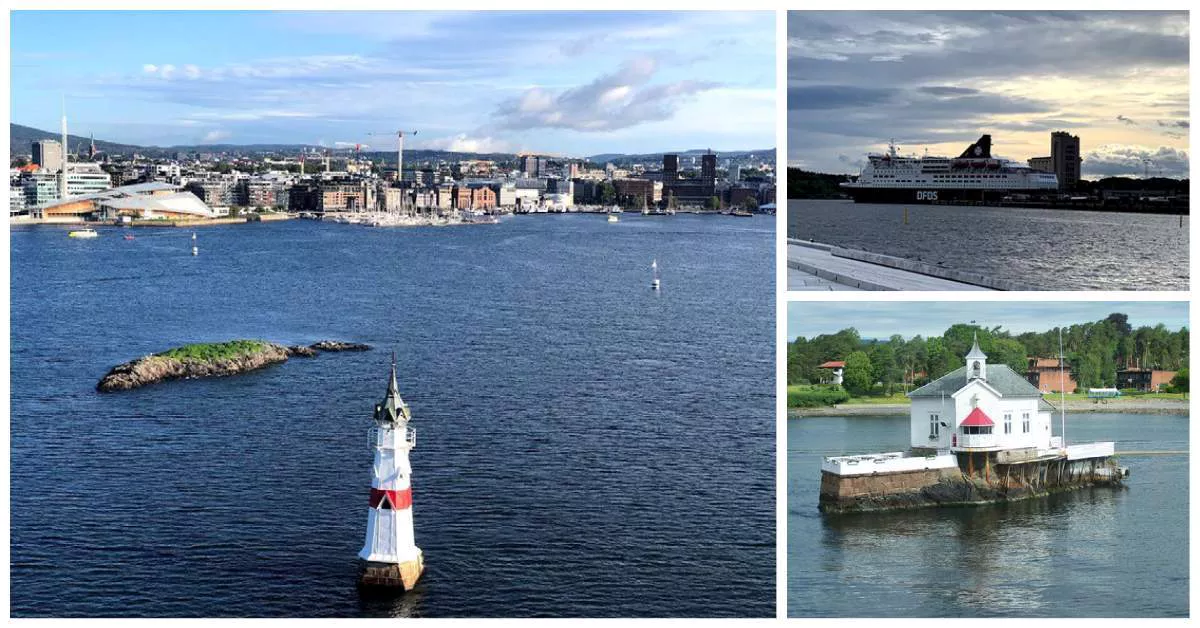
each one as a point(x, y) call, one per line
point(634, 192)
point(1049, 376)
point(483, 197)
point(41, 188)
point(155, 199)
point(390, 550)
point(1064, 154)
point(1143, 379)
point(1041, 164)
point(981, 433)
point(979, 407)
point(48, 155)
point(16, 200)
point(670, 170)
point(834, 368)
point(690, 191)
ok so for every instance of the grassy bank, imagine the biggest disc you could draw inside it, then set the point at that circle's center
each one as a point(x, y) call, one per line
point(212, 351)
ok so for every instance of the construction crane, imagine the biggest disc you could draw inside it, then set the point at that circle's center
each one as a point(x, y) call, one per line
point(399, 151)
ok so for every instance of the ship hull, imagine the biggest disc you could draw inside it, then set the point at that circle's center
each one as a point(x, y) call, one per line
point(929, 195)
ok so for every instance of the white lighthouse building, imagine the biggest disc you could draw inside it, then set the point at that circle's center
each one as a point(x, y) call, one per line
point(980, 407)
point(973, 418)
point(390, 551)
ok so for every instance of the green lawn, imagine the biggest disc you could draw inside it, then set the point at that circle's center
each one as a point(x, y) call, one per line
point(895, 398)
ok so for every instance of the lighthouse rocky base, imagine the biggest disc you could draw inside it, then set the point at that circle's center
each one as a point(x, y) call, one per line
point(393, 575)
point(964, 482)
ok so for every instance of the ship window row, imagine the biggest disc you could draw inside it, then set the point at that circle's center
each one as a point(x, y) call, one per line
point(970, 176)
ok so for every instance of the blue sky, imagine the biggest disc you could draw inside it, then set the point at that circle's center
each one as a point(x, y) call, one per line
point(558, 82)
point(937, 80)
point(910, 318)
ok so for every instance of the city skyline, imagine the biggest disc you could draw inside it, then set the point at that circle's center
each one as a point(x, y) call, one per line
point(572, 84)
point(881, 320)
point(936, 81)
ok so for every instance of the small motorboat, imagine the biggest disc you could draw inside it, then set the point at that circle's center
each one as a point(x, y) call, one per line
point(613, 218)
point(83, 233)
point(129, 236)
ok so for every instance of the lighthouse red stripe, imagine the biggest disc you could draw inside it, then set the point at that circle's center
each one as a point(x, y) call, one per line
point(399, 500)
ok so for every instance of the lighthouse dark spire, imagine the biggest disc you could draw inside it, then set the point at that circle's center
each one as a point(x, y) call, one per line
point(393, 408)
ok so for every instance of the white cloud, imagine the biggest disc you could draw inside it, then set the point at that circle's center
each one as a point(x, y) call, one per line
point(462, 143)
point(216, 135)
point(149, 68)
point(621, 99)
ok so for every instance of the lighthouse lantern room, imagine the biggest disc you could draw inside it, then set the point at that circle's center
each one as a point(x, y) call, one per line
point(390, 551)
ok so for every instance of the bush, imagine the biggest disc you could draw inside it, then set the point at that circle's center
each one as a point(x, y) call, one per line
point(816, 397)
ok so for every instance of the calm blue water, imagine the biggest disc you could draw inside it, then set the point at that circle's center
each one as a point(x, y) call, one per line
point(1099, 552)
point(1043, 249)
point(585, 446)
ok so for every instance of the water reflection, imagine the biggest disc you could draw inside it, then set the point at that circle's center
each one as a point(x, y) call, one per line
point(987, 560)
point(382, 602)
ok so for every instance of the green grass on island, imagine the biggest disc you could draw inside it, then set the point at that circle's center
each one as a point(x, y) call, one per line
point(212, 351)
point(816, 396)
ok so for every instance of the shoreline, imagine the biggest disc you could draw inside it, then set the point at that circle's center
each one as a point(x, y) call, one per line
point(1148, 406)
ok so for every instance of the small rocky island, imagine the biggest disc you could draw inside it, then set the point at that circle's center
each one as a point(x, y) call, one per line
point(211, 360)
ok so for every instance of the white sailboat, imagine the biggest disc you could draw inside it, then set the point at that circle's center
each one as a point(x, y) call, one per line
point(655, 284)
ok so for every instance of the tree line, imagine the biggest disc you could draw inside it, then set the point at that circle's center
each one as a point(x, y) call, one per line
point(1094, 352)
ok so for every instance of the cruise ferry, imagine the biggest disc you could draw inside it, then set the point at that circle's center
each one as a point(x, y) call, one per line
point(972, 176)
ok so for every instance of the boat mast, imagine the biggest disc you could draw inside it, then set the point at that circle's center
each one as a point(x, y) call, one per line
point(1062, 387)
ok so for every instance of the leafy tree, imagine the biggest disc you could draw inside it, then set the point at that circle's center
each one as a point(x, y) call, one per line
point(607, 192)
point(856, 377)
point(1179, 383)
point(713, 203)
point(750, 204)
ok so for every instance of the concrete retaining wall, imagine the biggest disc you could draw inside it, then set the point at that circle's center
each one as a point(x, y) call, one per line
point(951, 487)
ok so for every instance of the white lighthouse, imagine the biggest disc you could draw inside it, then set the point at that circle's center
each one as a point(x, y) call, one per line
point(391, 554)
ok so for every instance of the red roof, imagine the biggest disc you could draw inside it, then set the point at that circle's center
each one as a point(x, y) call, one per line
point(833, 365)
point(977, 419)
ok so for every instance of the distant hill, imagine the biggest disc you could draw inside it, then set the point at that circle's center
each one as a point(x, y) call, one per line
point(21, 137)
point(618, 158)
point(805, 184)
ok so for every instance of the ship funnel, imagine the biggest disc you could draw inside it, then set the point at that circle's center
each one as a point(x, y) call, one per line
point(981, 149)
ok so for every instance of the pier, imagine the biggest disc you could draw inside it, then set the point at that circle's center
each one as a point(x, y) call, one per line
point(816, 266)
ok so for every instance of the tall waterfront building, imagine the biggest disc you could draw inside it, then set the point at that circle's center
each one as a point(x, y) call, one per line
point(1064, 155)
point(670, 169)
point(708, 168)
point(48, 154)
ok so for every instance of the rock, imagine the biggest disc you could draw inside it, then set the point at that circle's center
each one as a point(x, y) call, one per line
point(334, 345)
point(160, 367)
point(156, 368)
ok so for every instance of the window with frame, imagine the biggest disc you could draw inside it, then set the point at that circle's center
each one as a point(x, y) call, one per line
point(1008, 423)
point(1025, 422)
point(934, 427)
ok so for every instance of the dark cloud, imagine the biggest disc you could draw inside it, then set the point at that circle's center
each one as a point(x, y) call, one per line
point(1179, 124)
point(941, 90)
point(837, 96)
point(856, 79)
